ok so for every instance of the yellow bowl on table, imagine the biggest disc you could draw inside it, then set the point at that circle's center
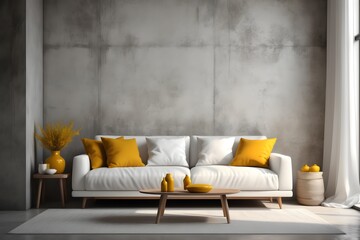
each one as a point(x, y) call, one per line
point(199, 188)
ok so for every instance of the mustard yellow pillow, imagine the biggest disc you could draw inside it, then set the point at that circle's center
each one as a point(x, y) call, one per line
point(253, 153)
point(122, 152)
point(95, 150)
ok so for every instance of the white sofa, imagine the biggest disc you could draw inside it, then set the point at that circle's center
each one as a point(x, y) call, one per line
point(124, 183)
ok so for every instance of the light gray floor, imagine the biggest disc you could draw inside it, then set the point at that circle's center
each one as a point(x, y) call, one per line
point(348, 220)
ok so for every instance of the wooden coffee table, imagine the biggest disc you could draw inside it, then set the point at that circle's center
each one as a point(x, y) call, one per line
point(221, 192)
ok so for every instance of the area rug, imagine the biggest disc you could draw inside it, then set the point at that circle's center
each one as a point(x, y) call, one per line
point(176, 221)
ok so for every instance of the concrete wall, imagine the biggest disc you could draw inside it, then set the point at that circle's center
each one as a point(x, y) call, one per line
point(34, 88)
point(20, 98)
point(223, 67)
point(12, 105)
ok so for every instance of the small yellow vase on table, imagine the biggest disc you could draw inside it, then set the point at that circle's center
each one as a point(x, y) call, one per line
point(187, 181)
point(164, 185)
point(170, 182)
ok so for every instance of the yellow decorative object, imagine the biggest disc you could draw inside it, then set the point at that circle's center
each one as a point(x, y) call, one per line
point(253, 153)
point(186, 181)
point(55, 137)
point(199, 188)
point(164, 185)
point(170, 182)
point(96, 151)
point(305, 168)
point(56, 161)
point(314, 168)
point(122, 152)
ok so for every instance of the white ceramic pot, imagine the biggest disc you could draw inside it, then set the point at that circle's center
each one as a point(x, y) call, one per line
point(50, 171)
point(42, 168)
point(310, 188)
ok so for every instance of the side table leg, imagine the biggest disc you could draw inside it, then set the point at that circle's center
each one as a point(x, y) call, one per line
point(39, 193)
point(62, 193)
point(43, 191)
point(65, 189)
point(225, 207)
point(161, 208)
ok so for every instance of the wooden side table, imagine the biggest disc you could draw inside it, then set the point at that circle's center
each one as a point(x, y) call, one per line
point(62, 181)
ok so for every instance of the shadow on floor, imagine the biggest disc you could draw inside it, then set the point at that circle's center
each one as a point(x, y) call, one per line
point(151, 203)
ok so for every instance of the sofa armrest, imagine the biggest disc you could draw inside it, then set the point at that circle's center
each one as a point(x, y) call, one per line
point(81, 166)
point(281, 165)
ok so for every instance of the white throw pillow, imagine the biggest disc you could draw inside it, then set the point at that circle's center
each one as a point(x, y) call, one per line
point(166, 152)
point(215, 151)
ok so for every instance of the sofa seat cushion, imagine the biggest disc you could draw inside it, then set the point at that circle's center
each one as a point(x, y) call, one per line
point(243, 178)
point(132, 178)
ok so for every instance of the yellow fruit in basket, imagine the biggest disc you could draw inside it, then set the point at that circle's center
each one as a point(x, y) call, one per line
point(314, 168)
point(305, 168)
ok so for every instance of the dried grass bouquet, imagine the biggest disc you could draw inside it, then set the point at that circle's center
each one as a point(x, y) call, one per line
point(55, 137)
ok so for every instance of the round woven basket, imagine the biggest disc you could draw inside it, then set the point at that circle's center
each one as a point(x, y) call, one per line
point(310, 188)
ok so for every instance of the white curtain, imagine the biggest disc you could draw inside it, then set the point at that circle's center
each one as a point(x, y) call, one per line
point(341, 143)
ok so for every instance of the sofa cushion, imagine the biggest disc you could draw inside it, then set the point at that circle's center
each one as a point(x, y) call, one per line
point(132, 178)
point(166, 151)
point(253, 153)
point(215, 151)
point(122, 152)
point(95, 150)
point(243, 178)
point(141, 142)
point(194, 145)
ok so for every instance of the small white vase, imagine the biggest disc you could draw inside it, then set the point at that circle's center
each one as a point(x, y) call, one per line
point(42, 168)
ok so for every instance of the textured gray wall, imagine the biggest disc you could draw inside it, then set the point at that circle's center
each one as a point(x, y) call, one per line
point(34, 89)
point(20, 98)
point(223, 67)
point(12, 105)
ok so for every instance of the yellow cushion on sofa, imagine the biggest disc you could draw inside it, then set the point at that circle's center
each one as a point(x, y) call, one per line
point(253, 153)
point(95, 150)
point(122, 152)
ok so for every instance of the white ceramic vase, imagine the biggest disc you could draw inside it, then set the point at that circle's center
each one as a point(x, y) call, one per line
point(42, 168)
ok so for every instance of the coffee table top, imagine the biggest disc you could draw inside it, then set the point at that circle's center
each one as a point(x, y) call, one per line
point(214, 191)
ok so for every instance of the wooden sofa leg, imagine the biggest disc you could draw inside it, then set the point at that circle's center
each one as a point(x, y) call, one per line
point(271, 199)
point(279, 200)
point(84, 202)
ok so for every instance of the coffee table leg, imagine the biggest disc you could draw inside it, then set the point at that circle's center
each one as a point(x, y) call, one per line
point(161, 208)
point(164, 205)
point(225, 207)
